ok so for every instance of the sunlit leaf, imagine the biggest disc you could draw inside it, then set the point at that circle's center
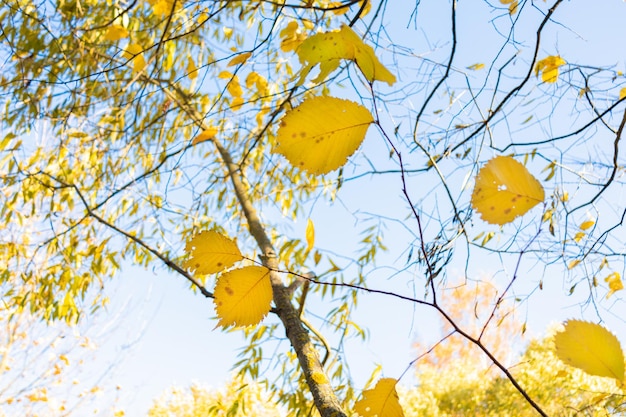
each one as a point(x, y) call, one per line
point(211, 252)
point(622, 93)
point(134, 52)
point(116, 32)
point(573, 263)
point(615, 283)
point(590, 347)
point(587, 224)
point(328, 49)
point(549, 68)
point(192, 70)
point(205, 135)
point(243, 296)
point(504, 190)
point(476, 67)
point(239, 59)
point(310, 235)
point(321, 133)
point(381, 401)
point(291, 37)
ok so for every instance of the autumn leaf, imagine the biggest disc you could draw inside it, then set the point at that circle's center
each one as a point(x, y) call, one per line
point(211, 252)
point(504, 190)
point(134, 52)
point(192, 70)
point(622, 93)
point(590, 347)
point(587, 224)
point(205, 135)
point(310, 235)
point(115, 33)
point(615, 283)
point(512, 5)
point(291, 37)
point(549, 68)
point(328, 49)
point(243, 296)
point(476, 67)
point(239, 59)
point(381, 401)
point(321, 133)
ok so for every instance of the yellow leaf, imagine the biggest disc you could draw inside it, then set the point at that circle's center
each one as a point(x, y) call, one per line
point(310, 235)
point(239, 59)
point(211, 252)
point(134, 52)
point(205, 135)
point(243, 296)
point(587, 224)
point(192, 70)
point(381, 401)
point(573, 264)
point(512, 7)
point(291, 37)
point(162, 7)
point(327, 49)
point(615, 283)
point(504, 190)
point(321, 133)
point(579, 236)
point(590, 347)
point(115, 33)
point(622, 93)
point(476, 67)
point(549, 68)
point(65, 360)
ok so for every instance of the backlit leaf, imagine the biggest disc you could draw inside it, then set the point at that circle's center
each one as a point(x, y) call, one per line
point(328, 49)
point(592, 348)
point(549, 68)
point(134, 52)
point(504, 190)
point(192, 70)
point(205, 135)
point(321, 133)
point(211, 252)
point(116, 32)
point(243, 296)
point(310, 235)
point(476, 67)
point(615, 283)
point(239, 59)
point(291, 37)
point(381, 401)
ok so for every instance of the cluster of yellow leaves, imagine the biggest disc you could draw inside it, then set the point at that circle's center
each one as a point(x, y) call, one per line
point(592, 348)
point(162, 7)
point(242, 296)
point(512, 5)
point(329, 48)
point(614, 280)
point(549, 68)
point(380, 401)
point(321, 133)
point(505, 189)
point(115, 33)
point(291, 36)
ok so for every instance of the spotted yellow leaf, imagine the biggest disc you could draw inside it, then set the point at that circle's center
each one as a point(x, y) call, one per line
point(211, 252)
point(329, 48)
point(615, 283)
point(243, 296)
point(504, 190)
point(321, 133)
point(590, 347)
point(549, 68)
point(381, 401)
point(115, 33)
point(310, 235)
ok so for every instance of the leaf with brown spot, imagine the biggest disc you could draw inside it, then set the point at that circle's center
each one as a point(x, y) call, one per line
point(211, 252)
point(243, 296)
point(321, 133)
point(504, 190)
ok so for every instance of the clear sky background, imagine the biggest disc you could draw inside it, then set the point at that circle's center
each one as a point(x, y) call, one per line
point(163, 334)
